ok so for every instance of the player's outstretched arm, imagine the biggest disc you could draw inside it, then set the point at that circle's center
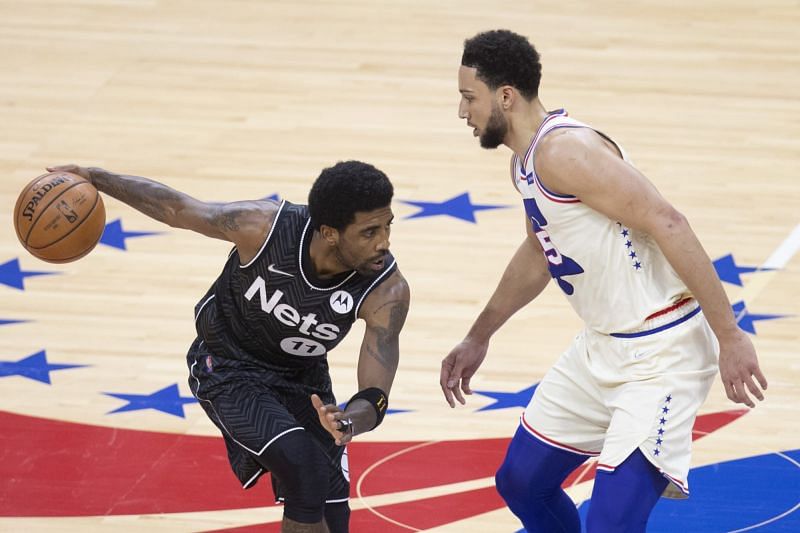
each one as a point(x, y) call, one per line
point(384, 312)
point(576, 161)
point(523, 280)
point(243, 223)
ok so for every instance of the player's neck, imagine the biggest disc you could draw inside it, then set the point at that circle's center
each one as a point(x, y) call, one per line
point(323, 257)
point(524, 122)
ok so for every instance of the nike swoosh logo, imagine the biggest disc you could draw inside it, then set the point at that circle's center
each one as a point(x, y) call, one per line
point(272, 268)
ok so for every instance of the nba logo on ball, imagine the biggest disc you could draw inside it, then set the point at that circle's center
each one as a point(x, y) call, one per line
point(341, 302)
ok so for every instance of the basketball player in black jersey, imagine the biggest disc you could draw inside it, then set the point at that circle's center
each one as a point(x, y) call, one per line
point(294, 283)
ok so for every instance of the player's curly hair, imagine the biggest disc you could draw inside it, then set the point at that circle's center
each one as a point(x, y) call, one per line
point(503, 57)
point(346, 188)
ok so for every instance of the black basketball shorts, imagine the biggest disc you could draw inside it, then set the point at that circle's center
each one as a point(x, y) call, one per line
point(253, 408)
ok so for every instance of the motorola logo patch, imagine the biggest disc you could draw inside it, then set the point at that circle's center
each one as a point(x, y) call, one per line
point(341, 302)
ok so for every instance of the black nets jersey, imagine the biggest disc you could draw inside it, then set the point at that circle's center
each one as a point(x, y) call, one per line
point(273, 313)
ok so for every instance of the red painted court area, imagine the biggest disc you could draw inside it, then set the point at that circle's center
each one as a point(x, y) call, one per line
point(55, 468)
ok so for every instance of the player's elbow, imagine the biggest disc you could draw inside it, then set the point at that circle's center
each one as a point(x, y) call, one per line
point(671, 222)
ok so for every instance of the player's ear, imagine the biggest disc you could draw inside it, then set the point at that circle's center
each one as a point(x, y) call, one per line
point(329, 234)
point(506, 95)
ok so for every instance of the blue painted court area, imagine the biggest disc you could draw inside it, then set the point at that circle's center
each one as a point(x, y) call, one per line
point(760, 494)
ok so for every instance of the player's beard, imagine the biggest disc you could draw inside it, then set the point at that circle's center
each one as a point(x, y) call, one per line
point(495, 130)
point(361, 268)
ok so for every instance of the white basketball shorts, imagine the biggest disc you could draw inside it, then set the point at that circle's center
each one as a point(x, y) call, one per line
point(608, 395)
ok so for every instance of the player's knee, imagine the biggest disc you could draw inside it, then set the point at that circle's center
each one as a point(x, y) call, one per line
point(302, 469)
point(532, 470)
point(510, 481)
point(502, 481)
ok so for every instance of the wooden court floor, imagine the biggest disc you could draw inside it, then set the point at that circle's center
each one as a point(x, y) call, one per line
point(251, 98)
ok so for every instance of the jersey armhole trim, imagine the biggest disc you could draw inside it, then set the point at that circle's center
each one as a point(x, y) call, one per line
point(619, 148)
point(513, 170)
point(374, 284)
point(266, 240)
point(203, 306)
point(550, 195)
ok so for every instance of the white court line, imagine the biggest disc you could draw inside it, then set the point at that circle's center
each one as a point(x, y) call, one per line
point(778, 517)
point(785, 251)
point(779, 258)
point(372, 467)
point(776, 261)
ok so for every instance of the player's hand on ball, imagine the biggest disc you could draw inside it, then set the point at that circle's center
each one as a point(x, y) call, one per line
point(75, 169)
point(334, 420)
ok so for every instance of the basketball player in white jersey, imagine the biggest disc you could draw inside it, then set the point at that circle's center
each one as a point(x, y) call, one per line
point(628, 388)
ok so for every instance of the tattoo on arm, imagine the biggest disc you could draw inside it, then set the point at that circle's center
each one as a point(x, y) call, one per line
point(386, 349)
point(154, 199)
point(238, 222)
point(227, 219)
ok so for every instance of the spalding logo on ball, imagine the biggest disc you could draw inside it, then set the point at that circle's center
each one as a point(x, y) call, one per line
point(59, 217)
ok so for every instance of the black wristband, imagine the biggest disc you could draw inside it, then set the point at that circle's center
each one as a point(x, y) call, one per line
point(377, 398)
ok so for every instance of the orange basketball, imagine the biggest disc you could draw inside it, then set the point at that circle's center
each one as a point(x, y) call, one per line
point(59, 217)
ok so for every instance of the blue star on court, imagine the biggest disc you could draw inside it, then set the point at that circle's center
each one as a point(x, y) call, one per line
point(115, 236)
point(7, 321)
point(275, 197)
point(747, 320)
point(460, 207)
point(503, 400)
point(729, 272)
point(33, 367)
point(167, 400)
point(11, 274)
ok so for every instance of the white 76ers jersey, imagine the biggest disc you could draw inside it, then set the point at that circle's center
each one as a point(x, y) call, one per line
point(613, 276)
